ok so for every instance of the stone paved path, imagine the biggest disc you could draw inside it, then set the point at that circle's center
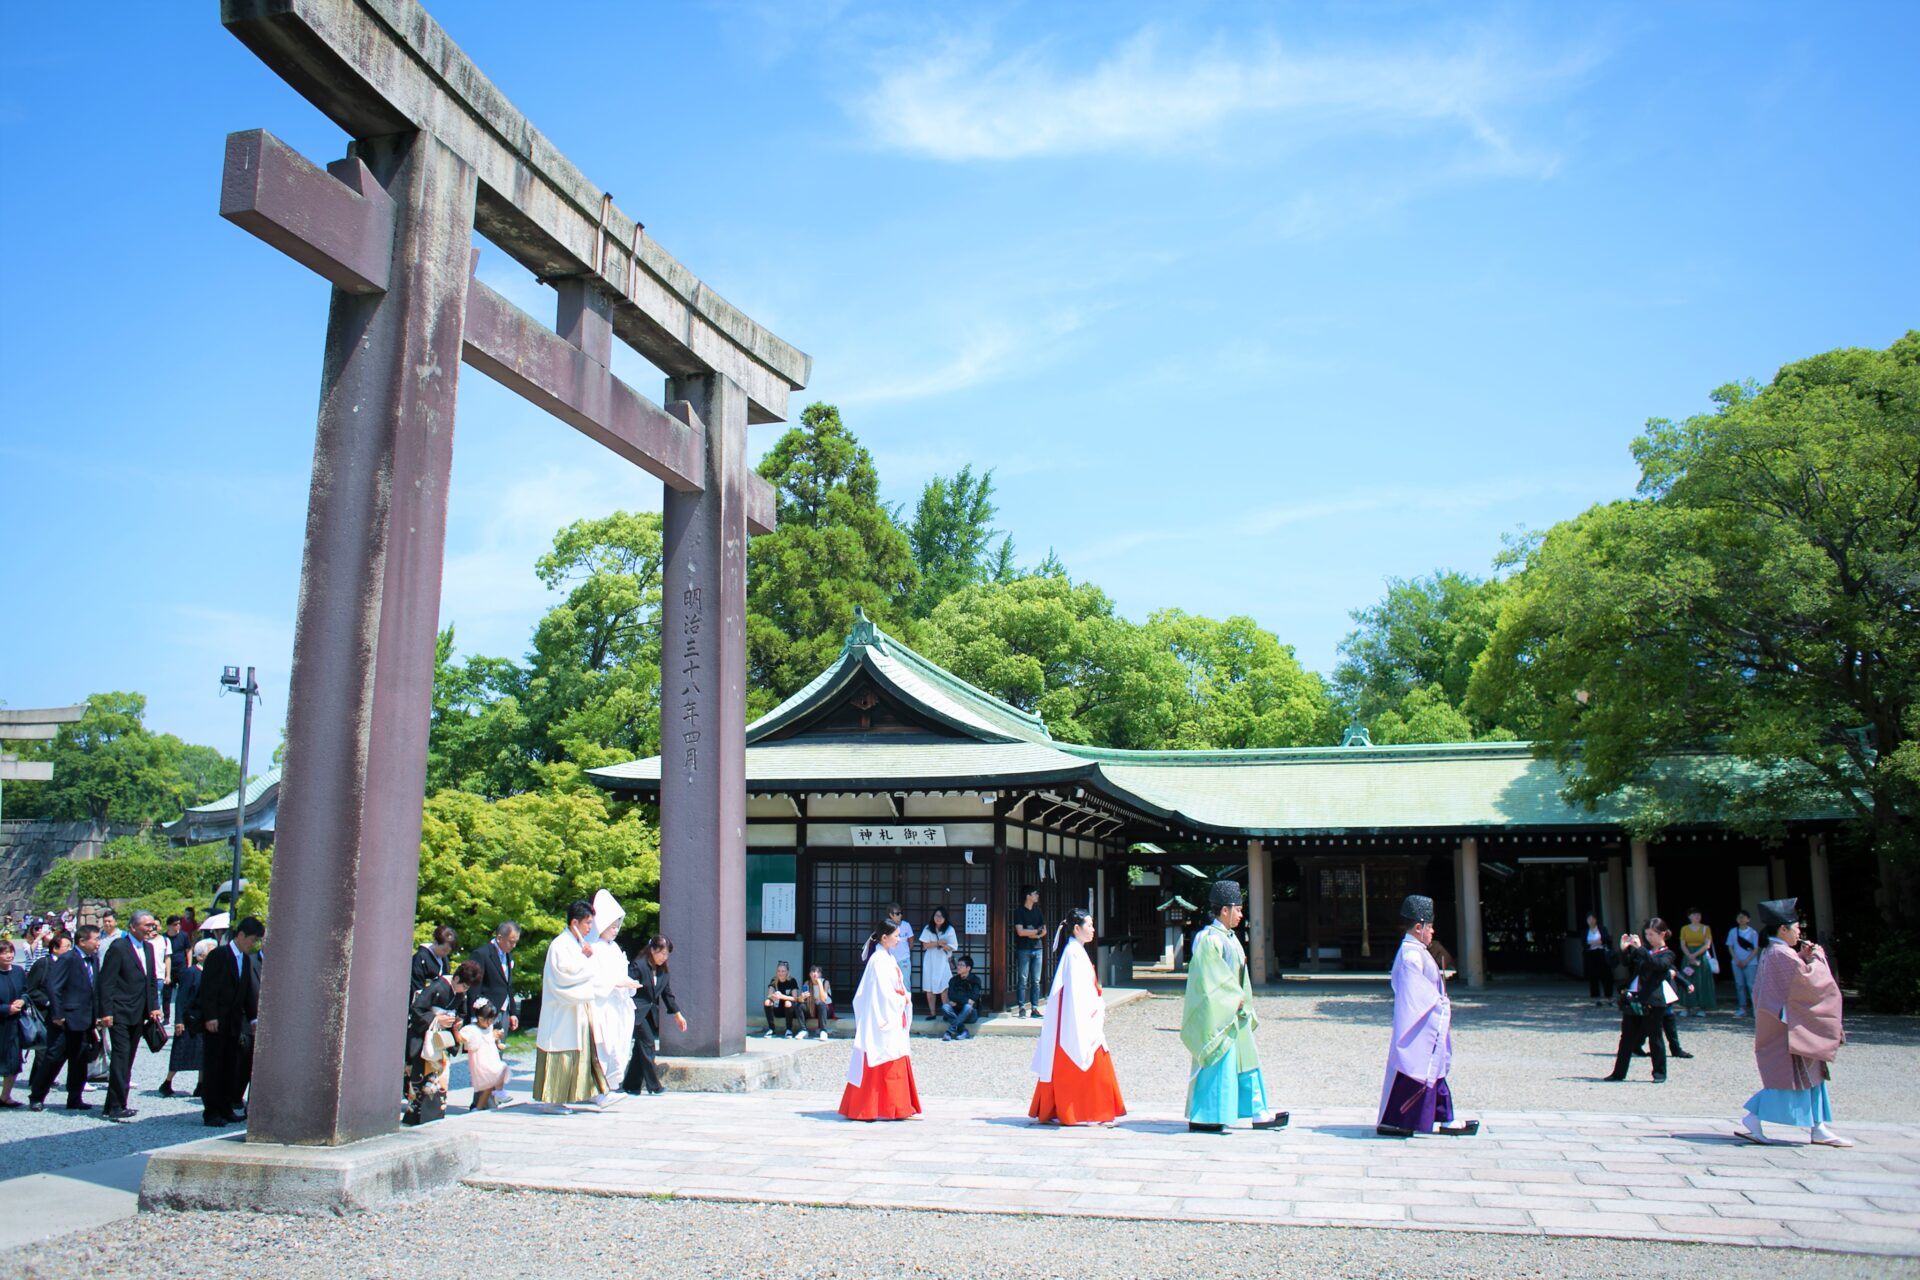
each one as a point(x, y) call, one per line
point(1538, 1173)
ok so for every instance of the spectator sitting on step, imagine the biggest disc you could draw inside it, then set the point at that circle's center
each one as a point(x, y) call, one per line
point(962, 1002)
point(816, 1002)
point(783, 1001)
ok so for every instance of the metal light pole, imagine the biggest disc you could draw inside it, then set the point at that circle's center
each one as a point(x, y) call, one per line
point(230, 679)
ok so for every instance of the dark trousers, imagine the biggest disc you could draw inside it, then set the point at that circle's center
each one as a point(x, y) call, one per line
point(1668, 1031)
point(1634, 1028)
point(64, 1048)
point(167, 991)
point(1599, 975)
point(642, 1074)
point(123, 1037)
point(791, 1012)
point(220, 1074)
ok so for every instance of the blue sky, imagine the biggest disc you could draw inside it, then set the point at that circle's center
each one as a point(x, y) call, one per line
point(1250, 306)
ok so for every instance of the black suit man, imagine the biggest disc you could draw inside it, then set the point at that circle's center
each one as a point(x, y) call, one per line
point(495, 959)
point(229, 1003)
point(128, 997)
point(70, 1005)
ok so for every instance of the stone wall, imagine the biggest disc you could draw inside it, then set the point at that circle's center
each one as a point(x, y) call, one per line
point(29, 848)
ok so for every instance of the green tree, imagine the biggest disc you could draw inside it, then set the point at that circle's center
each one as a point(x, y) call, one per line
point(526, 857)
point(1414, 651)
point(480, 738)
point(1759, 596)
point(952, 537)
point(594, 686)
point(1049, 645)
point(836, 546)
point(1244, 688)
point(108, 767)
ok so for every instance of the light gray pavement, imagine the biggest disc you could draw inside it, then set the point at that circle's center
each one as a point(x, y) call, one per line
point(1531, 1173)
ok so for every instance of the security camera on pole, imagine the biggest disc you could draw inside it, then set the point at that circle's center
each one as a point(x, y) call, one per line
point(230, 680)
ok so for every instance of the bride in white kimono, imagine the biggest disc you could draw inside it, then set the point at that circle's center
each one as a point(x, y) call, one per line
point(612, 990)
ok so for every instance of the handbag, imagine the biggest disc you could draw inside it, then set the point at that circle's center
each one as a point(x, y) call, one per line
point(1713, 962)
point(33, 1027)
point(155, 1035)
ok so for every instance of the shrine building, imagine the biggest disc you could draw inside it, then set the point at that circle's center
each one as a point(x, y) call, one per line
point(888, 779)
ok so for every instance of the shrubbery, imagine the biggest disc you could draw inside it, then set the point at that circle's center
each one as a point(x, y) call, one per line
point(1890, 980)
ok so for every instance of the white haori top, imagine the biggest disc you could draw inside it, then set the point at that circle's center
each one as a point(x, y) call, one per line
point(1076, 1016)
point(567, 987)
point(882, 1012)
point(1422, 1046)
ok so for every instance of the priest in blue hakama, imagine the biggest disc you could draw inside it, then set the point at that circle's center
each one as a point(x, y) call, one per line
point(1217, 1025)
point(1415, 1098)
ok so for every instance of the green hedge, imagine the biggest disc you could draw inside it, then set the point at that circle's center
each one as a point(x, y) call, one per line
point(1890, 980)
point(190, 878)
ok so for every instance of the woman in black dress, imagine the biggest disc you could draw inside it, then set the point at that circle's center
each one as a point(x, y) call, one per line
point(13, 1000)
point(188, 1044)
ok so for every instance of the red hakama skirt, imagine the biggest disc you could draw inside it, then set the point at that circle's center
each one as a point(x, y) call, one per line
point(885, 1092)
point(1074, 1096)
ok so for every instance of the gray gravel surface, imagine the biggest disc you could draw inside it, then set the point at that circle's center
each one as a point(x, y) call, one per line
point(469, 1232)
point(1325, 1044)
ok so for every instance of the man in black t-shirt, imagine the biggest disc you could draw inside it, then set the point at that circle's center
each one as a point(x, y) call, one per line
point(783, 1001)
point(1029, 937)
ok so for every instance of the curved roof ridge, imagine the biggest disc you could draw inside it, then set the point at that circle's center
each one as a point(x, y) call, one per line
point(1216, 756)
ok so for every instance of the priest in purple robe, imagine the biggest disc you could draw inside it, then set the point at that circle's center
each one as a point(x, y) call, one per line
point(1415, 1098)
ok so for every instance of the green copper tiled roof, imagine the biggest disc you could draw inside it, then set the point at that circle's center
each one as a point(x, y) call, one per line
point(256, 787)
point(1277, 792)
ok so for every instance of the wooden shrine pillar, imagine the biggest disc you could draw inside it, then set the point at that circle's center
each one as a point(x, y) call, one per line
point(1639, 888)
point(1820, 873)
point(1259, 910)
point(1473, 958)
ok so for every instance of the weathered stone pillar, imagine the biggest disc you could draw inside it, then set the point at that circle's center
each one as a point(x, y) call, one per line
point(1259, 909)
point(1820, 871)
point(703, 785)
point(1639, 888)
point(1473, 952)
point(347, 858)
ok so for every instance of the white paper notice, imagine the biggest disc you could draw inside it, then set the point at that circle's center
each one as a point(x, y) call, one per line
point(776, 908)
point(976, 918)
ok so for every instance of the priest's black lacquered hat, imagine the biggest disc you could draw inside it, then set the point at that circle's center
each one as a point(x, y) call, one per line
point(1225, 893)
point(1417, 909)
point(1781, 911)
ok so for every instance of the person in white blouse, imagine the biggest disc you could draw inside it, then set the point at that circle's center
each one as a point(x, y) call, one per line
point(938, 942)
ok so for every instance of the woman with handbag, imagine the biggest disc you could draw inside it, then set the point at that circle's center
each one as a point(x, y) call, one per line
point(1698, 964)
point(189, 1043)
point(13, 1009)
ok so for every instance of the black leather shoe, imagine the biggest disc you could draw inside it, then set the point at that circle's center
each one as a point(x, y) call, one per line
point(1614, 1079)
point(1465, 1129)
point(1193, 1127)
point(1278, 1120)
point(122, 1115)
point(1679, 1053)
point(1659, 1079)
point(166, 1089)
point(1393, 1131)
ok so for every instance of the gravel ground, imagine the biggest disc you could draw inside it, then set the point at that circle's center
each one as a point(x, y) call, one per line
point(45, 1141)
point(531, 1233)
point(1513, 1050)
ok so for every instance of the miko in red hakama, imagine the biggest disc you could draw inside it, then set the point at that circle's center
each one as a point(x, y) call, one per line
point(1077, 1084)
point(880, 1076)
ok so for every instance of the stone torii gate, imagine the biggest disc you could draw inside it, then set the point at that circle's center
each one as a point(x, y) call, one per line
point(437, 153)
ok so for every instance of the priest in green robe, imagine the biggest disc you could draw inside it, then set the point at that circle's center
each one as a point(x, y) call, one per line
point(1217, 1025)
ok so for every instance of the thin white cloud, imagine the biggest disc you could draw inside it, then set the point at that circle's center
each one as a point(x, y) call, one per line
point(966, 101)
point(983, 351)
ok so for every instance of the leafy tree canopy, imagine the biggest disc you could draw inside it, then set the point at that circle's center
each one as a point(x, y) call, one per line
point(1759, 595)
point(953, 539)
point(1412, 654)
point(836, 547)
point(108, 767)
point(1244, 688)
